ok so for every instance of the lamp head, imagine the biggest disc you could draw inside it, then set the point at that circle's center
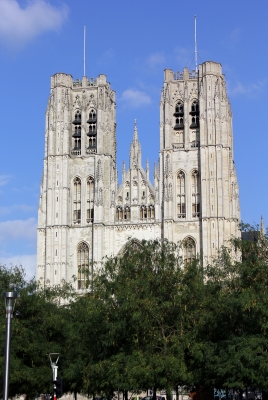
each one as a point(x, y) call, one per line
point(10, 299)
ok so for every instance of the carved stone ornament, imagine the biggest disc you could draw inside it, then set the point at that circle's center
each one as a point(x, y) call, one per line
point(77, 102)
point(168, 170)
point(99, 171)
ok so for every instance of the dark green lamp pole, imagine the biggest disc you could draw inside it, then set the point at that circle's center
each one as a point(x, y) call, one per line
point(10, 298)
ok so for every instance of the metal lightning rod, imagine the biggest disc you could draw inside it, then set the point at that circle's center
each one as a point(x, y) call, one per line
point(84, 51)
point(195, 44)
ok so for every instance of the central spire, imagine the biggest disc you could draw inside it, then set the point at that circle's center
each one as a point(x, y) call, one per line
point(135, 148)
point(135, 133)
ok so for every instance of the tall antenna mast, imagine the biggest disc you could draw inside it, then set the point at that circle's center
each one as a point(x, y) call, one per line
point(195, 44)
point(84, 51)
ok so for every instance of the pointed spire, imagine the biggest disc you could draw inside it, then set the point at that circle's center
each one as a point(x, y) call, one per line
point(135, 148)
point(262, 229)
point(155, 171)
point(135, 133)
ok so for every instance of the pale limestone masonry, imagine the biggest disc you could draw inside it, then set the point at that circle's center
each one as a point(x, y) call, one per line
point(83, 214)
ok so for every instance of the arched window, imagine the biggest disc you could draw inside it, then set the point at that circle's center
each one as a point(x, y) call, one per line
point(77, 131)
point(195, 194)
point(189, 250)
point(77, 201)
point(179, 113)
point(179, 109)
point(143, 212)
point(92, 131)
point(119, 213)
point(92, 117)
point(90, 199)
point(195, 114)
point(194, 107)
point(77, 118)
point(82, 266)
point(127, 213)
point(181, 209)
point(151, 211)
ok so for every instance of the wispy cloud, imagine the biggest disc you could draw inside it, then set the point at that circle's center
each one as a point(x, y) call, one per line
point(18, 229)
point(15, 207)
point(183, 56)
point(19, 25)
point(235, 36)
point(155, 60)
point(135, 98)
point(27, 261)
point(250, 89)
point(4, 179)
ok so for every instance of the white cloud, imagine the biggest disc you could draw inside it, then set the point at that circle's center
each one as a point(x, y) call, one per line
point(16, 207)
point(4, 178)
point(183, 56)
point(156, 59)
point(18, 229)
point(135, 98)
point(235, 36)
point(19, 25)
point(250, 89)
point(27, 261)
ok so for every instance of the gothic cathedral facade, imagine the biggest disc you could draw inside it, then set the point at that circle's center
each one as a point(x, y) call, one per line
point(84, 215)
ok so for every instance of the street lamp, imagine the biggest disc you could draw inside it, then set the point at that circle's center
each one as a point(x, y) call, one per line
point(57, 382)
point(10, 299)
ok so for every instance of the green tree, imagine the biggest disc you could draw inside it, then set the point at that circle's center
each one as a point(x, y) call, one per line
point(137, 326)
point(37, 329)
point(231, 346)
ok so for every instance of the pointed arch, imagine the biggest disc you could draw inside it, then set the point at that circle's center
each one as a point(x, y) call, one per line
point(195, 180)
point(92, 129)
point(181, 196)
point(82, 265)
point(76, 200)
point(90, 199)
point(195, 114)
point(77, 131)
point(119, 213)
point(133, 242)
point(179, 115)
point(189, 250)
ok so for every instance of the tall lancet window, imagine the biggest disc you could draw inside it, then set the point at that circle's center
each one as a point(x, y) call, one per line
point(119, 213)
point(189, 250)
point(195, 194)
point(77, 132)
point(77, 201)
point(82, 266)
point(90, 199)
point(151, 211)
point(92, 130)
point(181, 209)
point(195, 114)
point(127, 213)
point(179, 115)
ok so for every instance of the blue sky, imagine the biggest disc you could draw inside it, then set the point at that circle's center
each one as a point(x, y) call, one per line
point(132, 42)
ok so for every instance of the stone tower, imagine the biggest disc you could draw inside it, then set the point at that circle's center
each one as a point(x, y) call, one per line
point(79, 176)
point(199, 196)
point(84, 215)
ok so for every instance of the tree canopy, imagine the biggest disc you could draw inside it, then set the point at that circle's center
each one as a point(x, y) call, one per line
point(152, 322)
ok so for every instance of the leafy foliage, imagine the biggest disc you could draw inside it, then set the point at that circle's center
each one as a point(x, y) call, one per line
point(151, 323)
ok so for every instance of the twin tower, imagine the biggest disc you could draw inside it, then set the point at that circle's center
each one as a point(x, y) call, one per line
point(85, 215)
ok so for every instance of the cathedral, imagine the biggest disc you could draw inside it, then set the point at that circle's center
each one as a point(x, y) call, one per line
point(85, 215)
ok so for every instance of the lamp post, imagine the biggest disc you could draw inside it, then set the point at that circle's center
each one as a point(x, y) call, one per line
point(57, 383)
point(10, 298)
